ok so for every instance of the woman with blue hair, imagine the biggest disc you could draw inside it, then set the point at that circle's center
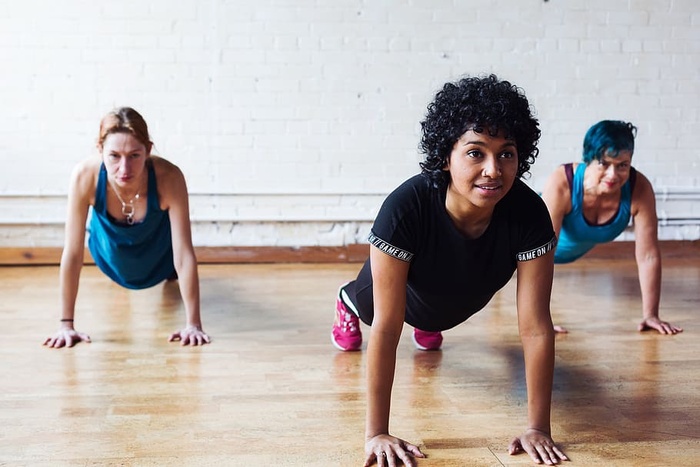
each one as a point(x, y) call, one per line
point(592, 202)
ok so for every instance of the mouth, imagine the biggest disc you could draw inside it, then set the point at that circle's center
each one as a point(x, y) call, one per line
point(490, 187)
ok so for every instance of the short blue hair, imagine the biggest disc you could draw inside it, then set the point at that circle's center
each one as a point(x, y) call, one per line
point(608, 138)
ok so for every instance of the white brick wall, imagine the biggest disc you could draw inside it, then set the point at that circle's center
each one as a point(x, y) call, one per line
point(292, 119)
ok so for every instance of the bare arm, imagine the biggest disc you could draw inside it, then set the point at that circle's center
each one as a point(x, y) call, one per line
point(389, 277)
point(534, 284)
point(557, 197)
point(174, 197)
point(648, 256)
point(80, 195)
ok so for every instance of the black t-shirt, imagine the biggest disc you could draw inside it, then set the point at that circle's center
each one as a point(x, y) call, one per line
point(451, 276)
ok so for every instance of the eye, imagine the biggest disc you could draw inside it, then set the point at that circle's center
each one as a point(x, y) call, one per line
point(474, 153)
point(507, 155)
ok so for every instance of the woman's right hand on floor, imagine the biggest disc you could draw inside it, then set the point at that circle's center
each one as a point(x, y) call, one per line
point(66, 338)
point(389, 451)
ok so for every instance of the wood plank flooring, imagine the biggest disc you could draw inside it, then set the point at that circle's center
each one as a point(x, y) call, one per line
point(271, 390)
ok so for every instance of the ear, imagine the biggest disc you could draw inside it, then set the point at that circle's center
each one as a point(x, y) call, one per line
point(446, 167)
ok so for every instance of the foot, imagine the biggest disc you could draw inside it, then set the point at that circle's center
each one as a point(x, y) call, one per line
point(346, 334)
point(426, 340)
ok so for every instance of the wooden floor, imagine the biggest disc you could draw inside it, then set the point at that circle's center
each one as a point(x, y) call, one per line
point(271, 390)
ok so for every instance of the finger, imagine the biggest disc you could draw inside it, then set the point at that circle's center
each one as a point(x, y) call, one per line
point(547, 455)
point(369, 460)
point(174, 337)
point(207, 339)
point(532, 452)
point(515, 447)
point(389, 458)
point(559, 453)
point(560, 329)
point(85, 338)
point(69, 341)
point(414, 450)
point(406, 458)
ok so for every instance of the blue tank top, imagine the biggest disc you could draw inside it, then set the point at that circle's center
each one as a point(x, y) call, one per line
point(134, 256)
point(577, 235)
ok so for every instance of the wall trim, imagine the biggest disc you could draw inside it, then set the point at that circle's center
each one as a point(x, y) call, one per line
point(354, 253)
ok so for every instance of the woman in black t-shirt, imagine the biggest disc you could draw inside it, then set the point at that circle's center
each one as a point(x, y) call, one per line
point(445, 241)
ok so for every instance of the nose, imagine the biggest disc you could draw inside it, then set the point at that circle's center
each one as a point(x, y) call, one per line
point(124, 166)
point(611, 171)
point(492, 166)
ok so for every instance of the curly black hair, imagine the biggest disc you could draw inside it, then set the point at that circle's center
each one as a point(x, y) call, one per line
point(477, 102)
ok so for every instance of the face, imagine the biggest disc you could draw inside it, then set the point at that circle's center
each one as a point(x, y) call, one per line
point(125, 158)
point(482, 169)
point(610, 173)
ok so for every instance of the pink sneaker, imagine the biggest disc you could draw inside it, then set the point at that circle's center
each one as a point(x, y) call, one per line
point(346, 334)
point(426, 340)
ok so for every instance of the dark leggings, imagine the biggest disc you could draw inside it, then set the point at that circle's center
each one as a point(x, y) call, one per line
point(360, 293)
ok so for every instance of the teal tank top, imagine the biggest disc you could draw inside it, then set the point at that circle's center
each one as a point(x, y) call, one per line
point(577, 236)
point(134, 256)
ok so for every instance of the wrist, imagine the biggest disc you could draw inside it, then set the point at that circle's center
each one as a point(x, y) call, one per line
point(547, 431)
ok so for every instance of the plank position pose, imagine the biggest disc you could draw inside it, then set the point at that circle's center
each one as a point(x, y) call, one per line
point(139, 228)
point(445, 241)
point(592, 202)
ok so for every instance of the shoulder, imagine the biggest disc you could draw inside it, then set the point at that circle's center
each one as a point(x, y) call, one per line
point(557, 192)
point(557, 180)
point(643, 194)
point(164, 168)
point(522, 197)
point(406, 208)
point(415, 185)
point(168, 175)
point(84, 175)
point(642, 182)
point(410, 192)
point(172, 189)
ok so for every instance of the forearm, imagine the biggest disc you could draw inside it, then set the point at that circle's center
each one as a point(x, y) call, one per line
point(381, 365)
point(188, 279)
point(69, 273)
point(649, 269)
point(539, 368)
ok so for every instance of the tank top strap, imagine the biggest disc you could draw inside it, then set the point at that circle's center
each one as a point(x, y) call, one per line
point(153, 202)
point(569, 170)
point(632, 179)
point(101, 190)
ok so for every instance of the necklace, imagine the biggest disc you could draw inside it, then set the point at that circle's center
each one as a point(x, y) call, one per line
point(127, 208)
